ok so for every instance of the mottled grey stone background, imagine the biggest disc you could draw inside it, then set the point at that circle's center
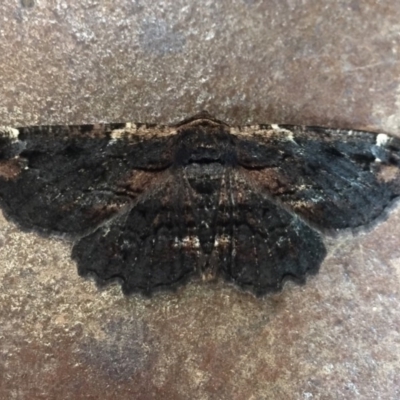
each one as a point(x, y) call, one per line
point(333, 63)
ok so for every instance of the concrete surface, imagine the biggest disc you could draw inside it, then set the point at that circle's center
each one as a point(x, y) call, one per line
point(246, 61)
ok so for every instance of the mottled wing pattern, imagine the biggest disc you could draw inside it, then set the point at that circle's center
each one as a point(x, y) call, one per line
point(71, 179)
point(202, 185)
point(334, 179)
point(154, 205)
point(259, 243)
point(146, 247)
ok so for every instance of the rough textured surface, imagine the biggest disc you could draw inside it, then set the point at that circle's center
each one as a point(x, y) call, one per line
point(336, 337)
point(246, 62)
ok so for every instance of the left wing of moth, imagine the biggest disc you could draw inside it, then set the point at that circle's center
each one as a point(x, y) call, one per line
point(334, 179)
point(70, 179)
point(146, 247)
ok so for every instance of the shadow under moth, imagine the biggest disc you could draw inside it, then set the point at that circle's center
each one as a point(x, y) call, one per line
point(156, 205)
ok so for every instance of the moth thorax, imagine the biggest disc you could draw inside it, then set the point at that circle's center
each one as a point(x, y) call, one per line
point(204, 178)
point(198, 146)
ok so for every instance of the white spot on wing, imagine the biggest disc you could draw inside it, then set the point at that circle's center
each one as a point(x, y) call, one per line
point(125, 132)
point(382, 139)
point(9, 132)
point(188, 241)
point(289, 134)
point(222, 240)
point(140, 131)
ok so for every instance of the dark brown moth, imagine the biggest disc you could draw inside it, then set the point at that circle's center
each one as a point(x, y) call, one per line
point(156, 205)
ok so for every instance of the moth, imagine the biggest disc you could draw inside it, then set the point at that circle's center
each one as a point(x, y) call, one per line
point(156, 205)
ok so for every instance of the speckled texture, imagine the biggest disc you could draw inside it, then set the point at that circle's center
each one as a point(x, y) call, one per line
point(246, 61)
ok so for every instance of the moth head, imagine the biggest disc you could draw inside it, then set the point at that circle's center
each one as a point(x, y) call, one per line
point(204, 143)
point(202, 139)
